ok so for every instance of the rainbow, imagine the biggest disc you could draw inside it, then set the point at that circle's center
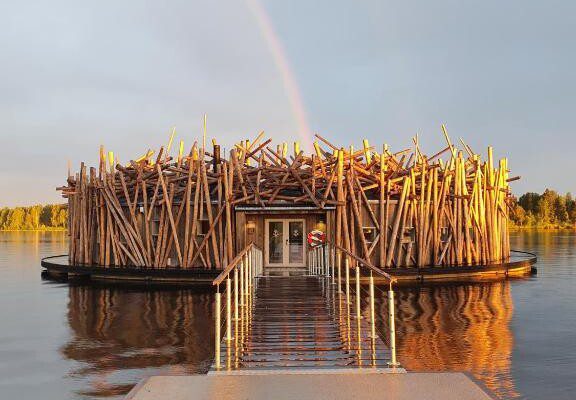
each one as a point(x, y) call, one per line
point(288, 79)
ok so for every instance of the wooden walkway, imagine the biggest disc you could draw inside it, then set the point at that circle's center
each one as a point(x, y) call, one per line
point(301, 322)
point(298, 339)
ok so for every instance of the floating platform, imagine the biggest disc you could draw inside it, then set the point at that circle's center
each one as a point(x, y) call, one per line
point(317, 384)
point(520, 264)
point(58, 266)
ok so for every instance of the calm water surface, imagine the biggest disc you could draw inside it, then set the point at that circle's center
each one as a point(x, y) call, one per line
point(61, 341)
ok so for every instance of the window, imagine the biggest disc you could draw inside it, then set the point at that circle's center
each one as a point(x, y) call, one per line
point(409, 234)
point(203, 227)
point(472, 233)
point(444, 234)
point(369, 233)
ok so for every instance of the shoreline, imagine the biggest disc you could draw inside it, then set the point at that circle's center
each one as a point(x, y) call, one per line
point(36, 230)
point(541, 228)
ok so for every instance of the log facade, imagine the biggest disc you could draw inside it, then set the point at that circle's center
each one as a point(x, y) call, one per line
point(197, 209)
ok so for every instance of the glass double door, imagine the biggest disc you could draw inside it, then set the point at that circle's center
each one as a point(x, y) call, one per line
point(284, 242)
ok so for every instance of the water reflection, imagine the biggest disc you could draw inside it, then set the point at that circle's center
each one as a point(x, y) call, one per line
point(120, 335)
point(458, 328)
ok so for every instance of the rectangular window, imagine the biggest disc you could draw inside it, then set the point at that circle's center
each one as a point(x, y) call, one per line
point(409, 235)
point(203, 227)
point(369, 233)
point(444, 234)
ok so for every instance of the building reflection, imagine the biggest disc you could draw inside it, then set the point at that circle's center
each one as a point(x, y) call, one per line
point(120, 335)
point(458, 328)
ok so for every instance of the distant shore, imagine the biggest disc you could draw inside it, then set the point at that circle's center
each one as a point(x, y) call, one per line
point(41, 217)
point(36, 230)
point(542, 228)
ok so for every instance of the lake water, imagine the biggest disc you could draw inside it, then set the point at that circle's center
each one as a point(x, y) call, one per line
point(73, 341)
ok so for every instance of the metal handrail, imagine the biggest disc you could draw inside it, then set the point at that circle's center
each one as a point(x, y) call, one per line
point(230, 267)
point(319, 264)
point(366, 263)
point(246, 267)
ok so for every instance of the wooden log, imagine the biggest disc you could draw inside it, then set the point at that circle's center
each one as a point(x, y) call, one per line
point(208, 203)
point(170, 216)
point(397, 220)
point(358, 216)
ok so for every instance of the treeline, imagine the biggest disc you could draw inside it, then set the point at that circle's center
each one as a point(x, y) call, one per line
point(546, 210)
point(50, 216)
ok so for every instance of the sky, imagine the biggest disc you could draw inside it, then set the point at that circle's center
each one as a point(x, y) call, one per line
point(74, 75)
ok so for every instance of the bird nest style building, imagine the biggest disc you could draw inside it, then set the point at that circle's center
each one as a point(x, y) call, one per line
point(197, 209)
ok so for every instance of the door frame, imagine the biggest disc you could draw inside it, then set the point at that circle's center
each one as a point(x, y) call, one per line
point(286, 246)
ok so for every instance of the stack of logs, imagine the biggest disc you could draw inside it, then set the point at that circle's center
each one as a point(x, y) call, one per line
point(178, 212)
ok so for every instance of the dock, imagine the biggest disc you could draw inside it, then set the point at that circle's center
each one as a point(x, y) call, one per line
point(295, 323)
point(312, 336)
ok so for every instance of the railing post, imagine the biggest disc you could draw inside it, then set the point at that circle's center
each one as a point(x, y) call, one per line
point(319, 260)
point(228, 309)
point(217, 329)
point(246, 279)
point(339, 266)
point(236, 293)
point(253, 266)
point(358, 294)
point(320, 266)
point(320, 263)
point(242, 282)
point(372, 319)
point(324, 253)
point(249, 259)
point(347, 267)
point(392, 324)
point(331, 247)
point(313, 261)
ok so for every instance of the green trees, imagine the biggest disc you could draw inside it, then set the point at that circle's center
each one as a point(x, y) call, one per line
point(51, 216)
point(548, 210)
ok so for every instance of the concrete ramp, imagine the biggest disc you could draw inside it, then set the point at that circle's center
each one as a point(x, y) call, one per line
point(311, 385)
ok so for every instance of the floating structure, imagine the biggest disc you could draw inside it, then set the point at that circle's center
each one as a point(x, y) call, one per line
point(404, 212)
point(345, 219)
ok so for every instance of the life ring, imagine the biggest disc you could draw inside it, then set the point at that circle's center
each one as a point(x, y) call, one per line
point(316, 238)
